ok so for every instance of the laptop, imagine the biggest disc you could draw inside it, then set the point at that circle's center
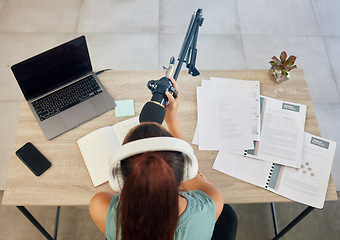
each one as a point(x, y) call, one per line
point(61, 89)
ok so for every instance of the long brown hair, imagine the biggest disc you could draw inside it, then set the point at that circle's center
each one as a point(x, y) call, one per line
point(148, 206)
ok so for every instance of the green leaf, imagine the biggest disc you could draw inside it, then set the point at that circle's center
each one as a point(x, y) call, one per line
point(283, 57)
point(291, 68)
point(276, 60)
point(273, 63)
point(291, 60)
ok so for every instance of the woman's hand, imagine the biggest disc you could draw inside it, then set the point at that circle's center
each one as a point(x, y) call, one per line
point(171, 108)
point(171, 117)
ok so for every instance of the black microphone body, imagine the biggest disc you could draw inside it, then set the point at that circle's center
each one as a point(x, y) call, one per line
point(158, 89)
point(154, 110)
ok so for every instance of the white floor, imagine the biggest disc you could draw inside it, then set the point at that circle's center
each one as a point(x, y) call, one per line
point(144, 34)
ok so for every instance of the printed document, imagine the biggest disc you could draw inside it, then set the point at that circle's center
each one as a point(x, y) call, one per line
point(252, 89)
point(306, 184)
point(223, 118)
point(282, 132)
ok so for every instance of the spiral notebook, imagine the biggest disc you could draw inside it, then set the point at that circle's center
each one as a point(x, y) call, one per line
point(307, 184)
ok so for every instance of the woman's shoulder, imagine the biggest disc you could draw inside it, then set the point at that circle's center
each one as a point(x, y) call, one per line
point(198, 201)
point(114, 201)
point(99, 206)
point(197, 195)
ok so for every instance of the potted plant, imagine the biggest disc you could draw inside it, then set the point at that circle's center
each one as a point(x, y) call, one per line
point(280, 69)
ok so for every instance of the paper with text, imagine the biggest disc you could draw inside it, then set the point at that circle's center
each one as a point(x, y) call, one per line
point(282, 132)
point(223, 118)
point(307, 184)
point(253, 95)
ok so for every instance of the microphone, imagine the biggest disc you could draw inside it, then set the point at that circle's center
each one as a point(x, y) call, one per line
point(154, 110)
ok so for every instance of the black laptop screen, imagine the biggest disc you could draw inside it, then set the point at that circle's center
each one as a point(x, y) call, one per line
point(53, 68)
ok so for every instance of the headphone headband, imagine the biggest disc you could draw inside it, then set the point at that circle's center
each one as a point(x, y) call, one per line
point(151, 144)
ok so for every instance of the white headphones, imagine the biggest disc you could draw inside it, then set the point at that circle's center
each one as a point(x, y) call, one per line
point(151, 144)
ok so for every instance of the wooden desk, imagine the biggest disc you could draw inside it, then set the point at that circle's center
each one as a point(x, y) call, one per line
point(67, 182)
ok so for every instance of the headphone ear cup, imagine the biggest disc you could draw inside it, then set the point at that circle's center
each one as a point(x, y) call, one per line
point(116, 178)
point(190, 167)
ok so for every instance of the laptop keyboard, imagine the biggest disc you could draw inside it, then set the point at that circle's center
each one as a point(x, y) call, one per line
point(67, 97)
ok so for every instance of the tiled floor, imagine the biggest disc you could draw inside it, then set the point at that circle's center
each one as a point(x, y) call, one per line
point(144, 34)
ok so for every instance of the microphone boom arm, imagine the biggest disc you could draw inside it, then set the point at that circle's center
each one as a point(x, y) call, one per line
point(154, 110)
point(188, 51)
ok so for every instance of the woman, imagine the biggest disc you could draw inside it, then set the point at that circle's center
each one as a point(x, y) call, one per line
point(155, 203)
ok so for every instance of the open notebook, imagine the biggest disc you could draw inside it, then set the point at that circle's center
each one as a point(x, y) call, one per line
point(97, 147)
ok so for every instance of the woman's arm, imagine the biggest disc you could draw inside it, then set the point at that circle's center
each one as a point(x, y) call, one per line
point(171, 117)
point(98, 207)
point(201, 183)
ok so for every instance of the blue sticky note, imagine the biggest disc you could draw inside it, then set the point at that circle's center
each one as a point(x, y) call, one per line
point(125, 108)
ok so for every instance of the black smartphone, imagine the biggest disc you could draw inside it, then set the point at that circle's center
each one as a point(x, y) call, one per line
point(33, 158)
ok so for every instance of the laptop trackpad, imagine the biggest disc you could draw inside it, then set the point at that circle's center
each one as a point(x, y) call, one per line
point(78, 114)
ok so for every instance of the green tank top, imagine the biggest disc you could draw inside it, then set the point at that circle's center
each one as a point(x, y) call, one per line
point(196, 222)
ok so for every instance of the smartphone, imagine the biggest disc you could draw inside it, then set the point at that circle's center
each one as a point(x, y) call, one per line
point(33, 158)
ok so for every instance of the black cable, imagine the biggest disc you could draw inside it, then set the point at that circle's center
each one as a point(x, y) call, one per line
point(101, 71)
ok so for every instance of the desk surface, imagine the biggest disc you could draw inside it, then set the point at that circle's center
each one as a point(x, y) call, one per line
point(67, 182)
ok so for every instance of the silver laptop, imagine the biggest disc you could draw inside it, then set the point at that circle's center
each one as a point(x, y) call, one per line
point(61, 88)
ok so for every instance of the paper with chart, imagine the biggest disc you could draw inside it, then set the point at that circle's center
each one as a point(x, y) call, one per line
point(282, 132)
point(223, 120)
point(306, 184)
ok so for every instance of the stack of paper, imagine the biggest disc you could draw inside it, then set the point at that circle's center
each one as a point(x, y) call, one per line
point(228, 114)
point(261, 140)
point(233, 117)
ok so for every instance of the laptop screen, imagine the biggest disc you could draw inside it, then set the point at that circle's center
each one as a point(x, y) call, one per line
point(53, 68)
